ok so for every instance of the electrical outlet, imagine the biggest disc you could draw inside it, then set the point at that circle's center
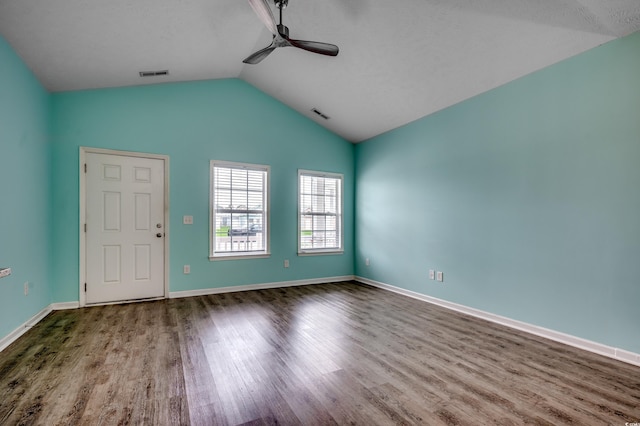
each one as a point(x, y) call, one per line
point(366, 262)
point(26, 288)
point(432, 274)
point(286, 263)
point(187, 220)
point(440, 276)
point(186, 269)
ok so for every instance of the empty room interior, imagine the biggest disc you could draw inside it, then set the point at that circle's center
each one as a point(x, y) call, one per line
point(429, 214)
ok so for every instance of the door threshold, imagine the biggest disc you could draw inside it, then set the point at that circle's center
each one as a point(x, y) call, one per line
point(123, 302)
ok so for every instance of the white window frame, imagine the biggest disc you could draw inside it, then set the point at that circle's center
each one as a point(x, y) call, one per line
point(229, 255)
point(339, 214)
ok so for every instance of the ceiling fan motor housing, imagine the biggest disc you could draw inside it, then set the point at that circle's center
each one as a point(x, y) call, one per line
point(283, 30)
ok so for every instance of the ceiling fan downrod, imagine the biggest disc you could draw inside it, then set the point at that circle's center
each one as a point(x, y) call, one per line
point(282, 4)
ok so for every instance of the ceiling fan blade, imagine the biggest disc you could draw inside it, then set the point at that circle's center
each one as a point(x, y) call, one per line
point(262, 9)
point(259, 55)
point(316, 47)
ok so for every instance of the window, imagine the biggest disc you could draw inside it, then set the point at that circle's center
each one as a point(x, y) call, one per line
point(320, 212)
point(239, 210)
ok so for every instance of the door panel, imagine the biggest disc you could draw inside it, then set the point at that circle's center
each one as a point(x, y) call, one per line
point(125, 228)
point(112, 213)
point(111, 264)
point(142, 262)
point(142, 212)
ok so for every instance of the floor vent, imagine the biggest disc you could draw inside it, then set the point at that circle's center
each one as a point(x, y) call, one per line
point(326, 117)
point(153, 73)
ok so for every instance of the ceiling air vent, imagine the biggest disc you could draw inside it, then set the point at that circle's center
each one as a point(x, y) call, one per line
point(153, 73)
point(326, 117)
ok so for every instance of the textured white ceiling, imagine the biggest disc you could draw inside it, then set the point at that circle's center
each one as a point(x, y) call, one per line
point(399, 60)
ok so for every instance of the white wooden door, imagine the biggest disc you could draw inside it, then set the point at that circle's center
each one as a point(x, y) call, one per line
point(125, 228)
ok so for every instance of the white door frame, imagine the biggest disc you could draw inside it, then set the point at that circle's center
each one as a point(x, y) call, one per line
point(83, 209)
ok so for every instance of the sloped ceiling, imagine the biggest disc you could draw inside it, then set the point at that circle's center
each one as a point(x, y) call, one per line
point(399, 60)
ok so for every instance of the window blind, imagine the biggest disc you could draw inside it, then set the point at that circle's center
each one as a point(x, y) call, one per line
point(320, 215)
point(239, 198)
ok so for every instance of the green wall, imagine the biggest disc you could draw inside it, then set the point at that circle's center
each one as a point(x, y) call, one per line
point(193, 123)
point(25, 208)
point(527, 197)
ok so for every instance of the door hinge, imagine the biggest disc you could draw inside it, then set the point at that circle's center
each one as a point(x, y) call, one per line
point(85, 167)
point(85, 287)
point(85, 227)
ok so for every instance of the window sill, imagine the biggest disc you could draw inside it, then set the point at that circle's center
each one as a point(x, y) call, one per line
point(320, 252)
point(234, 256)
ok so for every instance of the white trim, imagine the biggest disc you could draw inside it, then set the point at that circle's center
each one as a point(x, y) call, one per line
point(266, 212)
point(20, 330)
point(63, 306)
point(27, 325)
point(321, 252)
point(83, 204)
point(329, 250)
point(247, 256)
point(567, 339)
point(263, 286)
point(123, 302)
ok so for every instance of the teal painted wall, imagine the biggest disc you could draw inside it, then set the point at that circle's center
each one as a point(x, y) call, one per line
point(25, 210)
point(527, 197)
point(193, 123)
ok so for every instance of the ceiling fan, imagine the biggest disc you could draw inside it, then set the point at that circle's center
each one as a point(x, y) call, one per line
point(281, 34)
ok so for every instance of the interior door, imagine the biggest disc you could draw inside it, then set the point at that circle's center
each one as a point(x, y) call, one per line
point(125, 228)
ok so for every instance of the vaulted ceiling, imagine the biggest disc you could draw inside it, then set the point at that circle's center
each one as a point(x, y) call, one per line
point(399, 60)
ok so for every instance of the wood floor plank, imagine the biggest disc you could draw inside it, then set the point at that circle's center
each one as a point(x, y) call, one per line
point(204, 404)
point(331, 354)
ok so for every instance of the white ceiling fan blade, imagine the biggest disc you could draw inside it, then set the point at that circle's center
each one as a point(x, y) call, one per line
point(262, 9)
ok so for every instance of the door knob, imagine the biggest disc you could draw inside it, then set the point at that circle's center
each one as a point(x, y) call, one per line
point(159, 235)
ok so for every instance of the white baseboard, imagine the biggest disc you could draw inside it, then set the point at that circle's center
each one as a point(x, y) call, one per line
point(64, 305)
point(567, 339)
point(279, 284)
point(27, 325)
point(15, 334)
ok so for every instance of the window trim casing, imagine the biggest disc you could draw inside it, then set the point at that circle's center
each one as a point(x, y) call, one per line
point(266, 253)
point(321, 251)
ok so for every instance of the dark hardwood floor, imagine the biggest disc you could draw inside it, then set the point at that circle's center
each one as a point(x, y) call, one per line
point(316, 355)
